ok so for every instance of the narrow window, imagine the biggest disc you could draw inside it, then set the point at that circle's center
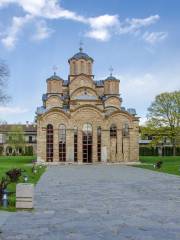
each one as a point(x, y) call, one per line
point(62, 143)
point(113, 131)
point(113, 134)
point(75, 144)
point(99, 143)
point(20, 151)
point(87, 143)
point(89, 68)
point(74, 68)
point(30, 139)
point(126, 130)
point(49, 143)
point(82, 67)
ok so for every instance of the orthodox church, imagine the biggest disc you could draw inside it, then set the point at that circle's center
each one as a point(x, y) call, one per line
point(82, 119)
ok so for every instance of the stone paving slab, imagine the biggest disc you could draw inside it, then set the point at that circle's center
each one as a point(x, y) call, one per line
point(99, 202)
point(3, 217)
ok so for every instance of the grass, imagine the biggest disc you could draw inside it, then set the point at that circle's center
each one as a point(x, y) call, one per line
point(23, 162)
point(171, 164)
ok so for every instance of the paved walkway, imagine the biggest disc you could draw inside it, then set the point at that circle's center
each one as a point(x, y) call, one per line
point(100, 202)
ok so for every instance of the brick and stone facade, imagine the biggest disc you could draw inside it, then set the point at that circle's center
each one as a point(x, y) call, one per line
point(82, 120)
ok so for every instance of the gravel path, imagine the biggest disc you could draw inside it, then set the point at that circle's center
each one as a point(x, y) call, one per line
point(92, 202)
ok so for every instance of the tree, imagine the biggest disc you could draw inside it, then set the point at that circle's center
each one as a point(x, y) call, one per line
point(4, 74)
point(164, 118)
point(16, 137)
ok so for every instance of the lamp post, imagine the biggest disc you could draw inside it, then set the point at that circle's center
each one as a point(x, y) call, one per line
point(5, 198)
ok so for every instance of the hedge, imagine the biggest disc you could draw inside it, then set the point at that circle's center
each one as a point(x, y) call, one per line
point(153, 151)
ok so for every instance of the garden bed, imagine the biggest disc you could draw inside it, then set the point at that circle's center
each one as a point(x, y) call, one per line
point(25, 163)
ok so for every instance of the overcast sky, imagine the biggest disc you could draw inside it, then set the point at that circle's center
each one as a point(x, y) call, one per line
point(140, 39)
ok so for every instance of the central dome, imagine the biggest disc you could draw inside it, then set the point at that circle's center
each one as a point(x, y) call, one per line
point(81, 55)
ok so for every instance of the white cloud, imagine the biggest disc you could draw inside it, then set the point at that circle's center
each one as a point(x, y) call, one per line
point(104, 21)
point(99, 34)
point(10, 38)
point(143, 22)
point(35, 9)
point(134, 24)
point(154, 37)
point(42, 31)
point(50, 9)
point(101, 27)
point(12, 110)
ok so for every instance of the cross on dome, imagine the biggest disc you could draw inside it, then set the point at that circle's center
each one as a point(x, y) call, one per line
point(81, 46)
point(111, 69)
point(55, 68)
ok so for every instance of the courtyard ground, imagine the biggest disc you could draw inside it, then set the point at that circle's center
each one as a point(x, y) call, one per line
point(90, 202)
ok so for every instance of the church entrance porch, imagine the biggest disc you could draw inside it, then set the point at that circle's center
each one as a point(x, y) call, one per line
point(86, 144)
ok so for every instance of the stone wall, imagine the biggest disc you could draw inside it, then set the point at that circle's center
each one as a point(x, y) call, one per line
point(54, 86)
point(111, 87)
point(113, 101)
point(54, 101)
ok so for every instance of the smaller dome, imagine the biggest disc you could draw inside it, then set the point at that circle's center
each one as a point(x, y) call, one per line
point(111, 78)
point(81, 55)
point(54, 77)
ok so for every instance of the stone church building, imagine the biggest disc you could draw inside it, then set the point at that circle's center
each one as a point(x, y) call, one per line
point(82, 120)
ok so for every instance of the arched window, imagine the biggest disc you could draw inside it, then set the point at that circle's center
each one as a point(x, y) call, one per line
point(20, 151)
point(87, 128)
point(126, 129)
point(82, 67)
point(49, 143)
point(113, 131)
point(75, 144)
point(9, 151)
point(99, 143)
point(62, 143)
point(87, 143)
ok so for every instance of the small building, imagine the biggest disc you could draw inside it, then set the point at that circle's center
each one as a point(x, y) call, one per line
point(29, 146)
point(82, 119)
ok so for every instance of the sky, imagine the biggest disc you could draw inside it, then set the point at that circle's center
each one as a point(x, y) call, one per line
point(139, 39)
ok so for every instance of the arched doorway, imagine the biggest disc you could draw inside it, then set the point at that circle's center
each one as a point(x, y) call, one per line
point(62, 143)
point(49, 143)
point(87, 143)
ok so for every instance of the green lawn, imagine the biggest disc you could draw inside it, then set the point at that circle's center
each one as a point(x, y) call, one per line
point(23, 162)
point(170, 165)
